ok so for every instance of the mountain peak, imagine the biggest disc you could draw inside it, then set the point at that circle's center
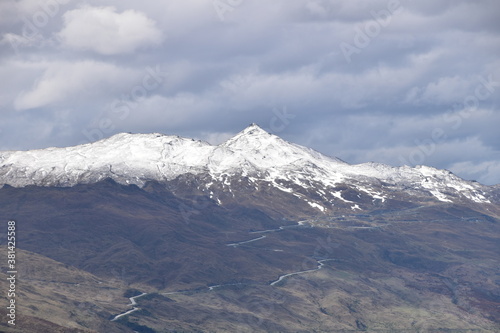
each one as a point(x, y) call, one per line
point(252, 136)
point(253, 129)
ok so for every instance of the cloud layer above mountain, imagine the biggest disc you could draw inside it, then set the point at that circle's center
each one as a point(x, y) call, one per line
point(393, 81)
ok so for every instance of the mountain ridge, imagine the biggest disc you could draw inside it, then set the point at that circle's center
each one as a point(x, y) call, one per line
point(253, 154)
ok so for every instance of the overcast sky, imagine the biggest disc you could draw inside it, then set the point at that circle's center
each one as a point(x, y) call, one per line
point(396, 82)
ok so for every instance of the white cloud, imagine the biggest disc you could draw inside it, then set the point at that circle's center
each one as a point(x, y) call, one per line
point(167, 112)
point(70, 81)
point(103, 30)
point(485, 172)
point(447, 90)
point(22, 10)
point(216, 138)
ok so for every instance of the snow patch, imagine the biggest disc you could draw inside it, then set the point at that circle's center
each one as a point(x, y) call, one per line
point(315, 205)
point(338, 195)
point(440, 196)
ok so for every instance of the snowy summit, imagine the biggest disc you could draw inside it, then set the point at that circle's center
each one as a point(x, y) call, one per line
point(254, 153)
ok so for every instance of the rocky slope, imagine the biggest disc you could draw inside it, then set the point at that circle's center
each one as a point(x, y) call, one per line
point(248, 162)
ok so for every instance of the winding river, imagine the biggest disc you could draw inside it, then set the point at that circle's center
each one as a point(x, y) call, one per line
point(282, 277)
point(132, 303)
point(245, 242)
point(301, 224)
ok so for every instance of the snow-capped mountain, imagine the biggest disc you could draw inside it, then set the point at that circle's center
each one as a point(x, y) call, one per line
point(253, 160)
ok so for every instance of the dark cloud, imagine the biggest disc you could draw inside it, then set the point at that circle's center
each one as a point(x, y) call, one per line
point(388, 81)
